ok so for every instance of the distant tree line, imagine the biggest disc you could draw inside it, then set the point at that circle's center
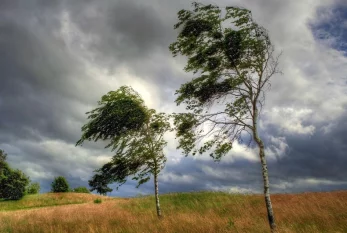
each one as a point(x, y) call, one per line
point(61, 185)
point(14, 184)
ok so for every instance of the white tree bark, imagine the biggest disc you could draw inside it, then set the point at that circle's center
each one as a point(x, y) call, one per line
point(156, 190)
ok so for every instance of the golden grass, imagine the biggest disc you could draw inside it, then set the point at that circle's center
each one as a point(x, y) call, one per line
point(190, 212)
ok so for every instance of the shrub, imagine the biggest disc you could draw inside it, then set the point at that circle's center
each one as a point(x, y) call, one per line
point(13, 185)
point(81, 189)
point(12, 182)
point(33, 188)
point(97, 201)
point(60, 185)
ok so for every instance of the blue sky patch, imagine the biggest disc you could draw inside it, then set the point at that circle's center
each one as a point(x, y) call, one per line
point(330, 26)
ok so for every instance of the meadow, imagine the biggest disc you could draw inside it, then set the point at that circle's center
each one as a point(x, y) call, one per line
point(182, 212)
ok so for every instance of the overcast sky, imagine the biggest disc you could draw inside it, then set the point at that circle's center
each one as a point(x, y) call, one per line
point(57, 58)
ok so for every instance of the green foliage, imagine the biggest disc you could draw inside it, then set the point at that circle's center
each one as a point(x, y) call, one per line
point(12, 182)
point(60, 185)
point(234, 63)
point(97, 201)
point(196, 27)
point(99, 183)
point(139, 149)
point(81, 189)
point(13, 186)
point(33, 188)
point(138, 154)
point(3, 155)
point(120, 112)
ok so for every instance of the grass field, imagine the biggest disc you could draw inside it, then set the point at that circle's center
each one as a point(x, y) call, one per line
point(183, 212)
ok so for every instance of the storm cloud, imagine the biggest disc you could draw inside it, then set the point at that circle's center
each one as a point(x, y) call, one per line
point(59, 57)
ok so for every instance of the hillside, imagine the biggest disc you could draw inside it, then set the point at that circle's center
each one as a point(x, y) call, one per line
point(183, 212)
point(48, 199)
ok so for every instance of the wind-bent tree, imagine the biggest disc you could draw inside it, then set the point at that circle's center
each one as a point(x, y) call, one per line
point(136, 135)
point(234, 66)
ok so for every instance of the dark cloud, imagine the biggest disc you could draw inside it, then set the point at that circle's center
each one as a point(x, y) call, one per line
point(320, 156)
point(54, 55)
point(133, 34)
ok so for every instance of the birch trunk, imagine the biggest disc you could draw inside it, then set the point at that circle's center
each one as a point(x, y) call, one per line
point(157, 194)
point(260, 144)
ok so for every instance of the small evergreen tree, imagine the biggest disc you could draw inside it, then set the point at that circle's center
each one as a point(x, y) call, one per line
point(60, 185)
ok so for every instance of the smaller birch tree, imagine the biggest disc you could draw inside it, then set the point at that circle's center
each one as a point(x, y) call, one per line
point(136, 134)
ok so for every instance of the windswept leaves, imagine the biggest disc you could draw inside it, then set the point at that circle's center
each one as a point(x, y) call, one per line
point(233, 49)
point(121, 111)
point(230, 51)
point(99, 183)
point(195, 28)
point(185, 125)
point(133, 131)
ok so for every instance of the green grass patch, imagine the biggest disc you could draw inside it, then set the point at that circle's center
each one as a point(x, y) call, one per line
point(44, 200)
point(186, 202)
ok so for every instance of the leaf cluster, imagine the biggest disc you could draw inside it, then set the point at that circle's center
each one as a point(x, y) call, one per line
point(33, 188)
point(139, 154)
point(60, 185)
point(135, 133)
point(233, 62)
point(120, 111)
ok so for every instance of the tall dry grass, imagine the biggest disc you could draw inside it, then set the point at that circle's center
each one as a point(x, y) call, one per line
point(188, 212)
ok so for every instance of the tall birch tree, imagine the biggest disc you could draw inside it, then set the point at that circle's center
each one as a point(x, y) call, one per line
point(234, 60)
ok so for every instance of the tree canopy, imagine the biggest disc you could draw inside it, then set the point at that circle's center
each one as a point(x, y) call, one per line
point(60, 185)
point(134, 132)
point(33, 188)
point(120, 111)
point(13, 182)
point(233, 65)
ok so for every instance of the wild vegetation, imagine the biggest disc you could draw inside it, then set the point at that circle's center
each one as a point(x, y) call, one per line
point(60, 185)
point(234, 64)
point(136, 134)
point(13, 182)
point(223, 102)
point(184, 212)
point(33, 188)
point(81, 189)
